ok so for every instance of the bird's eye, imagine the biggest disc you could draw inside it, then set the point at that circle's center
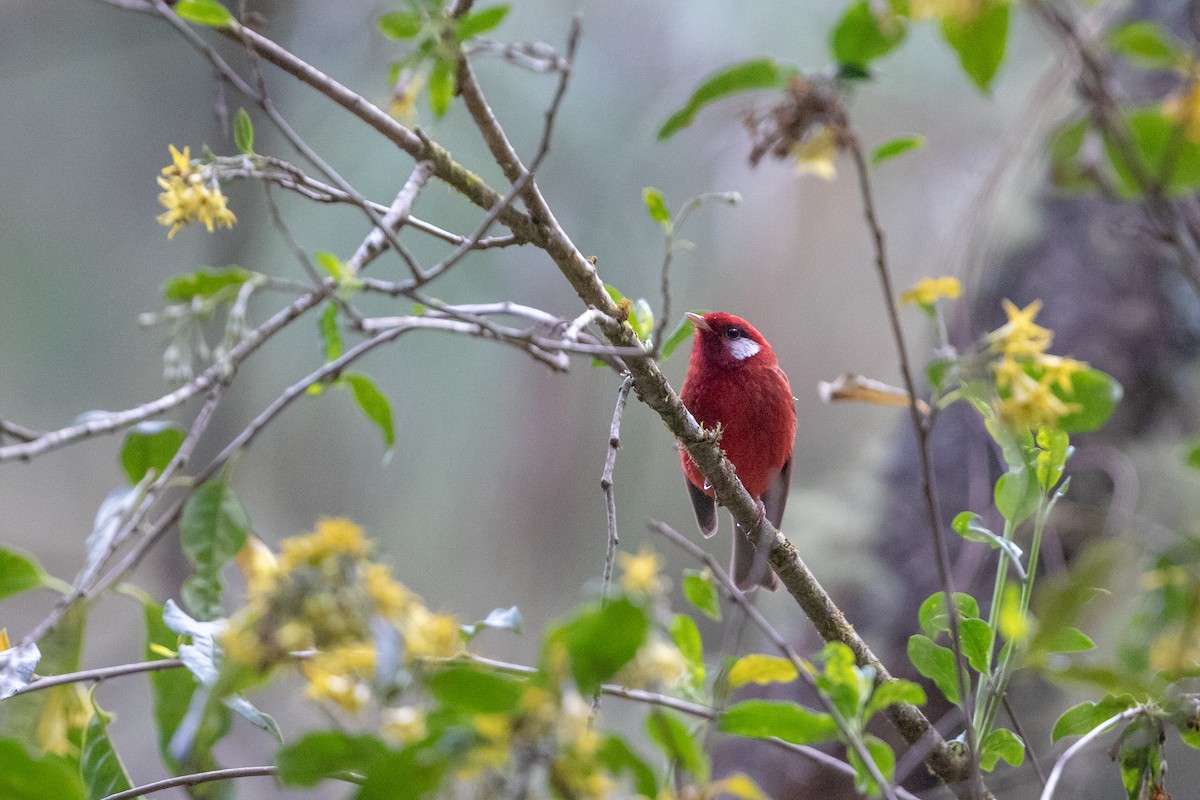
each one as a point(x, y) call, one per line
point(734, 333)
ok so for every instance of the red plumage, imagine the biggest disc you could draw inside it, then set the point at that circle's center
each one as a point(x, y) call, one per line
point(734, 379)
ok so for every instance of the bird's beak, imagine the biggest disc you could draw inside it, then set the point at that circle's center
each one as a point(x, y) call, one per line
point(698, 321)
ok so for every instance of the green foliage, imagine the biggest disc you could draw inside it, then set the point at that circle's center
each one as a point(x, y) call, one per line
point(678, 744)
point(373, 403)
point(601, 640)
point(1096, 392)
point(1162, 159)
point(170, 689)
point(977, 639)
point(149, 446)
point(757, 668)
point(400, 25)
point(896, 147)
point(618, 757)
point(700, 591)
point(441, 87)
point(936, 663)
point(407, 774)
point(1146, 43)
point(980, 39)
point(472, 691)
point(885, 761)
point(204, 283)
point(862, 35)
point(657, 207)
point(1084, 717)
point(764, 719)
point(243, 132)
point(331, 335)
point(25, 777)
point(204, 12)
point(893, 692)
point(745, 76)
point(681, 334)
point(934, 617)
point(19, 573)
point(480, 21)
point(1001, 744)
point(212, 529)
point(321, 754)
point(686, 635)
point(101, 767)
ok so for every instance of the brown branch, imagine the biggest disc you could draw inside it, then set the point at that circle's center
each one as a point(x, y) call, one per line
point(97, 675)
point(606, 479)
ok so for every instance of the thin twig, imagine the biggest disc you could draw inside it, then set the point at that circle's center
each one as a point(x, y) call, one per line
point(197, 778)
point(803, 669)
point(1084, 741)
point(1037, 764)
point(395, 217)
point(97, 675)
point(19, 432)
point(606, 480)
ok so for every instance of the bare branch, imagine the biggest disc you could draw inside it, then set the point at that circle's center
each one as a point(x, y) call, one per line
point(606, 479)
point(97, 675)
point(395, 218)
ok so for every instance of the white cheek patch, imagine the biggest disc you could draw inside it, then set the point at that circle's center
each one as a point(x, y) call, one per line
point(743, 348)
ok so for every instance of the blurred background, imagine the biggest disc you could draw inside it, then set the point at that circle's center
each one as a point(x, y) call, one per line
point(492, 495)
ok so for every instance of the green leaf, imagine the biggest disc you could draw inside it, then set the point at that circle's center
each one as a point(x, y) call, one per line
point(101, 767)
point(1001, 744)
point(686, 635)
point(1054, 450)
point(400, 25)
point(657, 207)
point(472, 691)
point(615, 755)
point(847, 685)
point(1166, 159)
point(885, 761)
point(700, 591)
point(204, 283)
point(860, 36)
point(1192, 458)
point(896, 147)
point(170, 689)
point(967, 525)
point(1016, 495)
point(758, 73)
point(936, 663)
point(602, 640)
point(1141, 758)
point(680, 334)
point(19, 573)
point(24, 777)
point(1147, 42)
point(212, 529)
point(321, 754)
point(243, 132)
point(678, 744)
point(441, 87)
point(977, 639)
point(641, 319)
point(409, 774)
point(204, 12)
point(1097, 393)
point(330, 333)
point(763, 719)
point(149, 446)
point(893, 692)
point(756, 668)
point(1079, 719)
point(481, 21)
point(934, 618)
point(1066, 171)
point(373, 403)
point(1063, 640)
point(333, 265)
point(980, 39)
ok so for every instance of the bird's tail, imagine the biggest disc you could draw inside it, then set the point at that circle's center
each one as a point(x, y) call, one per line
point(749, 566)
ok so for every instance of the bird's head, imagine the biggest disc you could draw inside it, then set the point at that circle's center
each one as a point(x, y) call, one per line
point(723, 340)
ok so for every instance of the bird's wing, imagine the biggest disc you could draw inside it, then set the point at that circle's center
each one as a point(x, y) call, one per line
point(705, 508)
point(775, 498)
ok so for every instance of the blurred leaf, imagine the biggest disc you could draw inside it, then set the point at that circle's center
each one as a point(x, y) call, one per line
point(506, 619)
point(860, 36)
point(657, 207)
point(1140, 758)
point(686, 635)
point(1055, 449)
point(967, 525)
point(333, 265)
point(204, 12)
point(373, 403)
point(763, 719)
point(149, 446)
point(741, 786)
point(1097, 393)
point(243, 132)
point(847, 685)
point(1066, 172)
point(977, 639)
point(99, 764)
point(204, 283)
point(757, 668)
point(19, 573)
point(170, 689)
point(1001, 744)
point(745, 76)
point(24, 777)
point(1192, 459)
point(1017, 495)
point(601, 640)
point(896, 691)
point(641, 319)
point(1167, 160)
point(980, 39)
point(680, 334)
point(472, 691)
point(1079, 719)
point(934, 618)
point(936, 663)
point(1147, 42)
point(212, 529)
point(408, 774)
point(699, 590)
point(330, 333)
point(615, 755)
point(259, 719)
point(400, 25)
point(895, 147)
point(441, 87)
point(678, 744)
point(1063, 640)
point(481, 21)
point(321, 754)
point(885, 761)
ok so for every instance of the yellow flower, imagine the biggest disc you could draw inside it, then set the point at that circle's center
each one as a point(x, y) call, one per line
point(1032, 404)
point(1008, 371)
point(927, 291)
point(404, 95)
point(640, 572)
point(657, 663)
point(5, 643)
point(1059, 370)
point(1185, 108)
point(404, 725)
point(428, 635)
point(815, 153)
point(191, 194)
point(341, 676)
point(392, 599)
point(333, 537)
point(1020, 336)
point(258, 566)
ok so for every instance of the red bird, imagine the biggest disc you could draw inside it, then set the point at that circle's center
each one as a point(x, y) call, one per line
point(734, 379)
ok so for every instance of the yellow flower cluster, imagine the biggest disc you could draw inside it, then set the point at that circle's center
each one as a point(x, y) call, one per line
point(319, 598)
point(640, 574)
point(658, 664)
point(1026, 375)
point(928, 291)
point(191, 194)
